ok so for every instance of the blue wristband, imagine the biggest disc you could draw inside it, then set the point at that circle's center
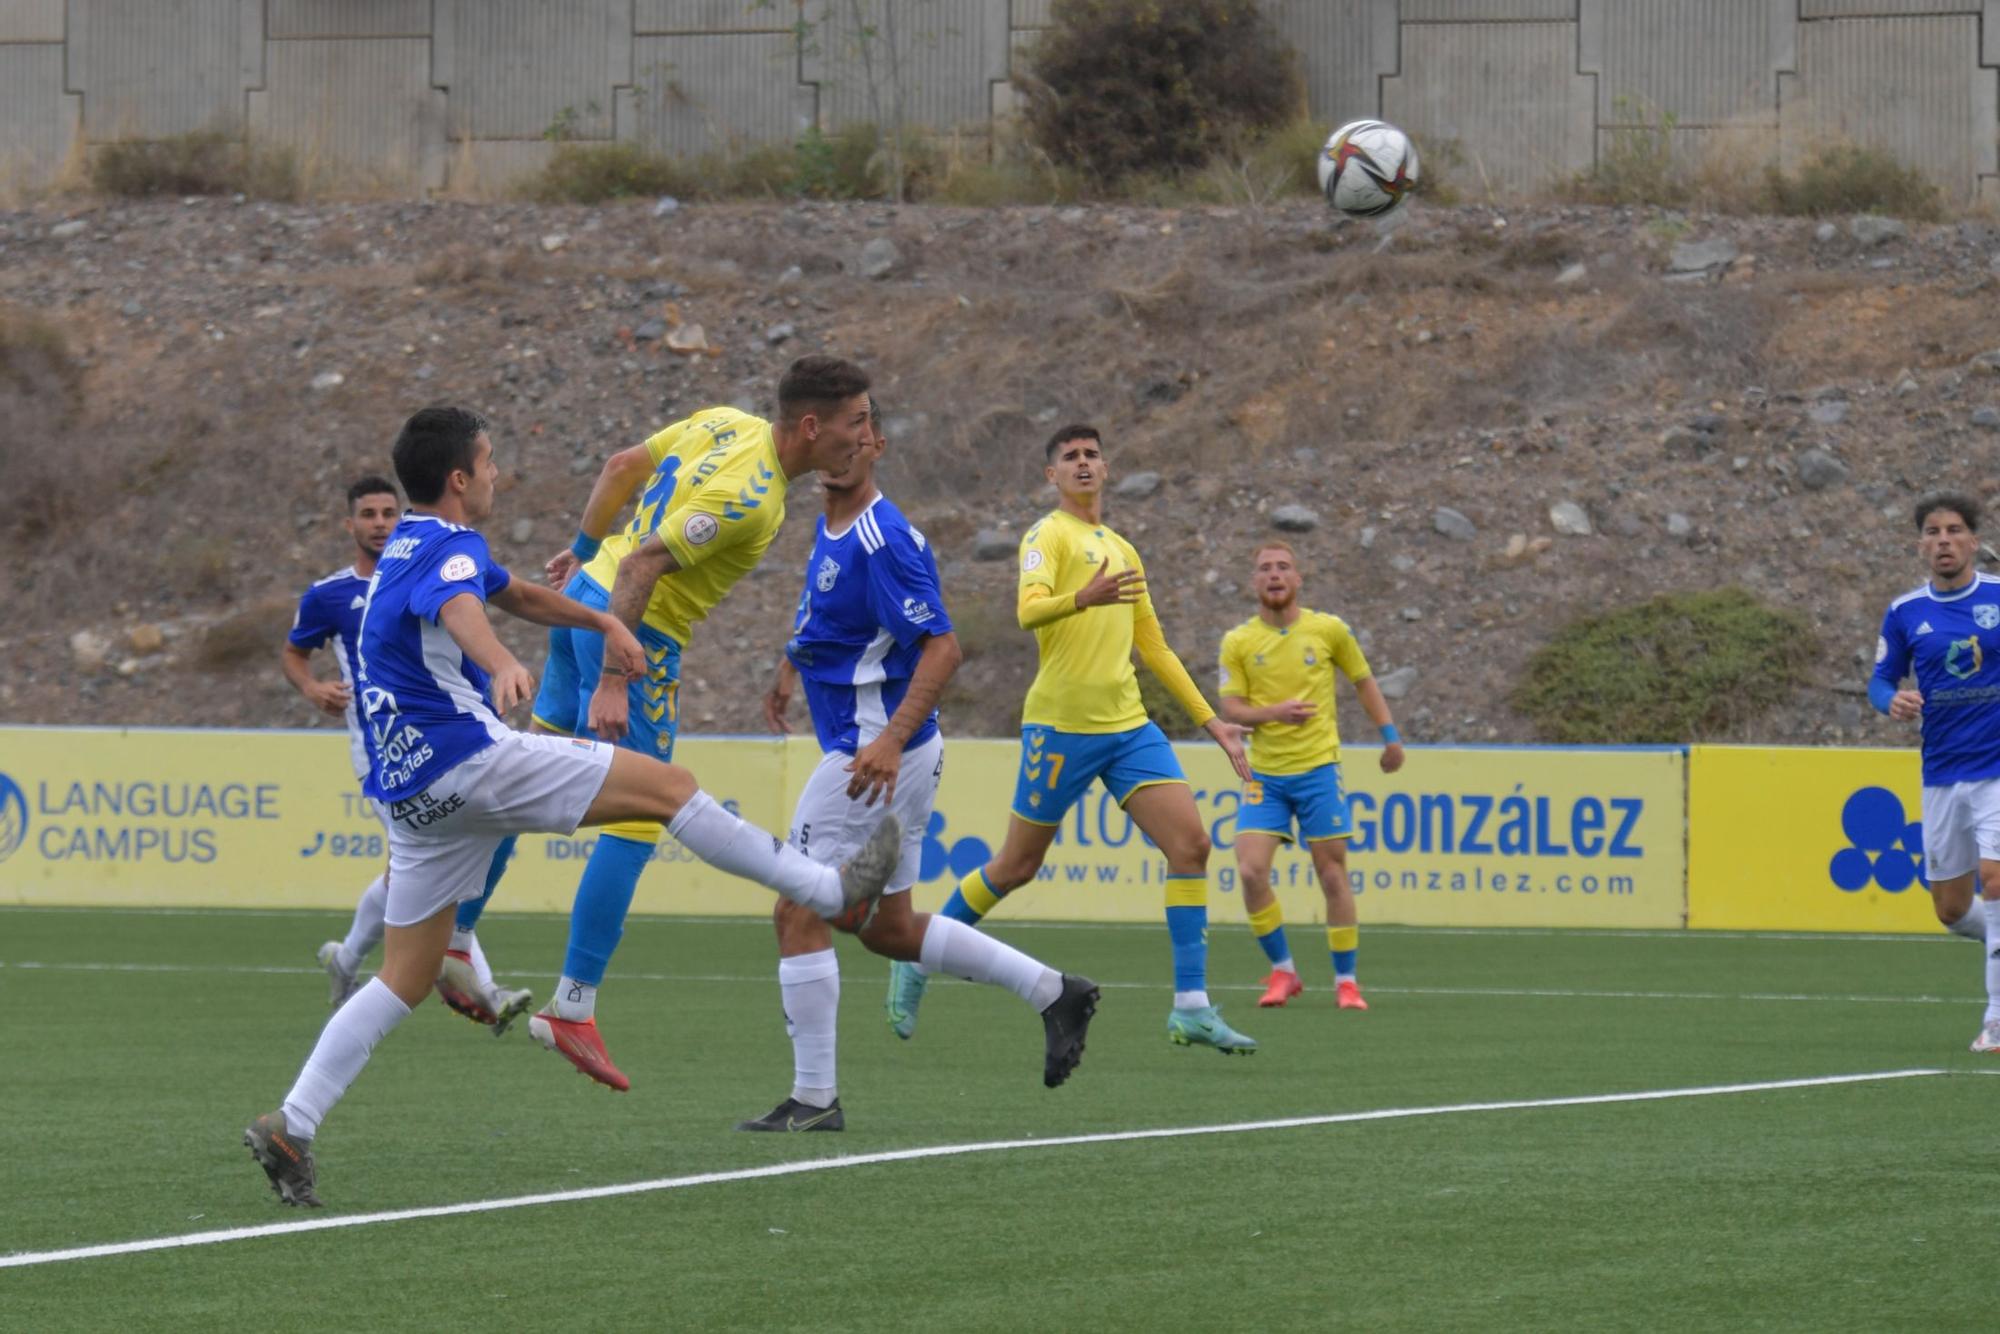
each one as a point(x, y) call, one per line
point(585, 546)
point(1390, 736)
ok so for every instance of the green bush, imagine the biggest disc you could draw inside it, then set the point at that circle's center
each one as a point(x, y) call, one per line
point(203, 162)
point(1851, 179)
point(1682, 667)
point(847, 164)
point(580, 173)
point(1118, 87)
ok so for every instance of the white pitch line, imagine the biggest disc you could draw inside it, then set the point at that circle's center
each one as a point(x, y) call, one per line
point(1519, 993)
point(219, 1236)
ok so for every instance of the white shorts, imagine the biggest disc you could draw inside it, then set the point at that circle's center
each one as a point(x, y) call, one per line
point(829, 826)
point(1961, 827)
point(441, 841)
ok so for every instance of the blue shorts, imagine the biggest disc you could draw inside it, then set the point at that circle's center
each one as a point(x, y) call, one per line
point(1056, 767)
point(1315, 798)
point(576, 660)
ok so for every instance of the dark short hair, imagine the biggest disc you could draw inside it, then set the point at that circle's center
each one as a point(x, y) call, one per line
point(818, 384)
point(374, 484)
point(1964, 506)
point(1067, 434)
point(434, 444)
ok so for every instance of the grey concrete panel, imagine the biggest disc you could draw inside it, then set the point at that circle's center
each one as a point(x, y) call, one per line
point(41, 119)
point(689, 16)
point(1031, 13)
point(356, 110)
point(152, 68)
point(1345, 47)
point(1840, 9)
point(1909, 85)
point(1488, 11)
point(514, 68)
point(1707, 62)
point(945, 54)
point(31, 20)
point(349, 18)
point(1506, 94)
point(715, 93)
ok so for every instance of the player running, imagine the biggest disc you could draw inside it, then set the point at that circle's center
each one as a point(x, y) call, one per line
point(1083, 592)
point(713, 497)
point(330, 613)
point(873, 643)
point(454, 780)
point(1277, 677)
point(1942, 632)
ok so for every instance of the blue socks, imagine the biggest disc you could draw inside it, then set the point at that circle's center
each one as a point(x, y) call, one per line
point(603, 897)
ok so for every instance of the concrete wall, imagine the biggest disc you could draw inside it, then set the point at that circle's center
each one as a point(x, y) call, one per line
point(411, 94)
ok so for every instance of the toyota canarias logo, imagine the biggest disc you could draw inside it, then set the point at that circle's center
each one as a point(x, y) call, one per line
point(1885, 848)
point(13, 817)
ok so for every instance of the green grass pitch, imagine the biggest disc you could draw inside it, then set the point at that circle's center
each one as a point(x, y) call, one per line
point(135, 1046)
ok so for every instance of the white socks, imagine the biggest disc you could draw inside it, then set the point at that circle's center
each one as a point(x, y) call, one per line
point(810, 986)
point(340, 1053)
point(467, 943)
point(742, 849)
point(1191, 1000)
point(366, 932)
point(1973, 925)
point(1992, 907)
point(963, 951)
point(575, 1001)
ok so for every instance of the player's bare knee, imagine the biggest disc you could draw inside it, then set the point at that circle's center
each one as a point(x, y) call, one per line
point(677, 787)
point(1187, 853)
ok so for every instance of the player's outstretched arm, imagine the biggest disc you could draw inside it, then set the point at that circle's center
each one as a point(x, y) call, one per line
point(326, 696)
point(464, 619)
point(1243, 713)
point(1377, 707)
point(876, 764)
point(622, 475)
point(533, 603)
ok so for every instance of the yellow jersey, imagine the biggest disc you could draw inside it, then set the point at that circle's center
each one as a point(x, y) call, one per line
point(1086, 682)
point(716, 497)
point(1264, 664)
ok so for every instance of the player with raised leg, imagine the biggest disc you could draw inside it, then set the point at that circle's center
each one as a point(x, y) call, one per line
point(1942, 632)
point(1082, 590)
point(710, 494)
point(330, 614)
point(1277, 678)
point(455, 780)
point(872, 642)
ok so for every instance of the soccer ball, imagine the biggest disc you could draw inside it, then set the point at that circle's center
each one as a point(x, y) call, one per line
point(1368, 168)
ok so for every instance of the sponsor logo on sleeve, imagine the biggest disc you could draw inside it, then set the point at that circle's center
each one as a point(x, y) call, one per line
point(699, 529)
point(458, 569)
point(1031, 562)
point(915, 612)
point(1881, 648)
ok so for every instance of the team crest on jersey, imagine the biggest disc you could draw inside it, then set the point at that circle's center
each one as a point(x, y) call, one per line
point(1311, 661)
point(1986, 615)
point(829, 571)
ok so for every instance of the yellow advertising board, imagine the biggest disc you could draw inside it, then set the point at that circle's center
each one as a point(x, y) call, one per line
point(1490, 837)
point(1461, 837)
point(1804, 839)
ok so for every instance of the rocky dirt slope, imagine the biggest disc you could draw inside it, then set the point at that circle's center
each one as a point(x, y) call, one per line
point(1491, 424)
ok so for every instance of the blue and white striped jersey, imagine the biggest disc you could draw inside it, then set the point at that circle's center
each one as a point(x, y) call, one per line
point(330, 613)
point(424, 701)
point(871, 599)
point(1951, 643)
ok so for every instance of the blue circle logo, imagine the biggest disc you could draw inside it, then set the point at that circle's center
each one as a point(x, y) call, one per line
point(1885, 849)
point(13, 817)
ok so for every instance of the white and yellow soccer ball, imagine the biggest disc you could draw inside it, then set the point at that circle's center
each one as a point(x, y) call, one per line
point(1368, 168)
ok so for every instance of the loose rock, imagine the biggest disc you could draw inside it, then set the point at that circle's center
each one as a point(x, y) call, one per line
point(145, 638)
point(1396, 684)
point(1137, 486)
point(523, 531)
point(879, 258)
point(1294, 518)
point(1871, 230)
point(1819, 470)
point(1568, 518)
point(1829, 414)
point(1701, 256)
point(1986, 418)
point(1453, 524)
point(992, 544)
point(88, 650)
point(1678, 525)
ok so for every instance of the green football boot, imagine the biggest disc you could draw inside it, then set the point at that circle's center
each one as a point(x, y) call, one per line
point(906, 992)
point(1202, 1026)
